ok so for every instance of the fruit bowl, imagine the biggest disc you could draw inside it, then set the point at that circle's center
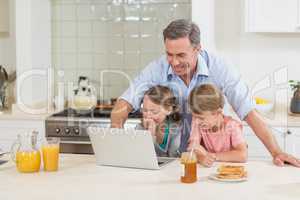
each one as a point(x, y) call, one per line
point(263, 105)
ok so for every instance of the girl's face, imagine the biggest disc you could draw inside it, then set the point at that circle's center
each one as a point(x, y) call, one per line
point(207, 119)
point(153, 111)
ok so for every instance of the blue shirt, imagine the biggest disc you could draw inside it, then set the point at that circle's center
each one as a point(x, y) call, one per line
point(210, 69)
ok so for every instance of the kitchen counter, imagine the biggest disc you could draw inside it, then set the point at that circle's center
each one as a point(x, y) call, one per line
point(18, 114)
point(79, 178)
point(8, 115)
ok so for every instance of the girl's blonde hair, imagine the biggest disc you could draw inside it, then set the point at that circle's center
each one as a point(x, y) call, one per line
point(205, 97)
point(162, 95)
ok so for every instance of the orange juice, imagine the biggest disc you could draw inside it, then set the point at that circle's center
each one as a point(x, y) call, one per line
point(50, 157)
point(28, 161)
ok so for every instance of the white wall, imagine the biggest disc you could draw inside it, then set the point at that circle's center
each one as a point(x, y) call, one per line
point(86, 44)
point(203, 15)
point(256, 55)
point(33, 51)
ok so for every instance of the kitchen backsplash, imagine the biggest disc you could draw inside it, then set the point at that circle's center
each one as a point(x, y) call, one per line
point(109, 38)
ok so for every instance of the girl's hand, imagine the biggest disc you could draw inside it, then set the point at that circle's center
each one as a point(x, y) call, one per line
point(150, 125)
point(207, 160)
point(198, 150)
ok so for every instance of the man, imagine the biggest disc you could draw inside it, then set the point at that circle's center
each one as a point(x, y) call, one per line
point(185, 66)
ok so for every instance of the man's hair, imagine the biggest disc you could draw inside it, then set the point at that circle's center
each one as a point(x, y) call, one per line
point(181, 28)
point(205, 97)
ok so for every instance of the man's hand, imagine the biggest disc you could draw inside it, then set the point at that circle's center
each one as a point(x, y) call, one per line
point(120, 113)
point(284, 158)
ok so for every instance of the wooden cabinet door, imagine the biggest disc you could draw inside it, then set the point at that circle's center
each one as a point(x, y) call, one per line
point(293, 141)
point(256, 149)
point(271, 15)
point(298, 24)
point(4, 16)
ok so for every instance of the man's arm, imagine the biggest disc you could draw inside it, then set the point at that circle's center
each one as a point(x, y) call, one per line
point(120, 113)
point(262, 131)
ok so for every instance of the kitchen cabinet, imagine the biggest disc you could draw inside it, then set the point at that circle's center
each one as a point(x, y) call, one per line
point(298, 12)
point(9, 129)
point(256, 149)
point(288, 138)
point(293, 141)
point(272, 15)
point(4, 16)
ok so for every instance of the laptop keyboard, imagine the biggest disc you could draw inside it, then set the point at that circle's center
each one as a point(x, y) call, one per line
point(162, 160)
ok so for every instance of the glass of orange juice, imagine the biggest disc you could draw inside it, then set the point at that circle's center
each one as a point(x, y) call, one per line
point(50, 150)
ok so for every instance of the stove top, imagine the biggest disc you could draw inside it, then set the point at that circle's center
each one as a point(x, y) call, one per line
point(95, 113)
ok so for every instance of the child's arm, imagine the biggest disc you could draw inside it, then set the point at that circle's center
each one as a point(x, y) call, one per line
point(195, 136)
point(238, 154)
point(239, 151)
point(206, 159)
point(203, 157)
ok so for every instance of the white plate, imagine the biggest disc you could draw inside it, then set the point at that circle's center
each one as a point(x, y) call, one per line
point(2, 153)
point(215, 178)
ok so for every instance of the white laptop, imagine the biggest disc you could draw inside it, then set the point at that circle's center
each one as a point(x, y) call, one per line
point(125, 148)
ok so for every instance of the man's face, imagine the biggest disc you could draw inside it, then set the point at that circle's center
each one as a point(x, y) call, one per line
point(181, 55)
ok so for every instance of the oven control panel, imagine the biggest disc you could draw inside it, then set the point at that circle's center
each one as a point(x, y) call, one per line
point(69, 128)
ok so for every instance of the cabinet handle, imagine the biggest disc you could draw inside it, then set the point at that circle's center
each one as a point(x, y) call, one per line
point(289, 132)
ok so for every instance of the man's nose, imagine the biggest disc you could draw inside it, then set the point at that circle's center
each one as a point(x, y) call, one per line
point(174, 61)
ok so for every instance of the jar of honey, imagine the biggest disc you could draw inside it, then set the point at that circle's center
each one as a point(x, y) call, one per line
point(189, 165)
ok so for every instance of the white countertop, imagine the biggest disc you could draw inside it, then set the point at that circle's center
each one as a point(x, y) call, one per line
point(79, 178)
point(34, 113)
point(8, 115)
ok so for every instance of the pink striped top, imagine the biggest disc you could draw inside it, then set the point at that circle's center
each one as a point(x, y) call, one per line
point(222, 140)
